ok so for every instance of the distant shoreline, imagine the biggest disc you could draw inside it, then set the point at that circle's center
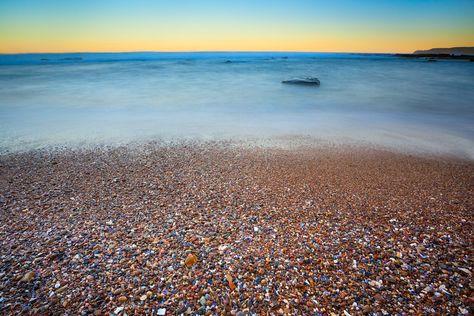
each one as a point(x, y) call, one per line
point(195, 52)
point(8, 58)
point(461, 53)
point(433, 57)
point(464, 51)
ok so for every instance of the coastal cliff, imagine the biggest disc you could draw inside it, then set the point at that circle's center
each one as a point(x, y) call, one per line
point(466, 53)
point(449, 51)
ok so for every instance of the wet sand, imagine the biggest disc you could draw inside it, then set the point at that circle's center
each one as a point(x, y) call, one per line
point(219, 229)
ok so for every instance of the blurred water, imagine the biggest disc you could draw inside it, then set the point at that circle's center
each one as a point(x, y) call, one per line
point(57, 99)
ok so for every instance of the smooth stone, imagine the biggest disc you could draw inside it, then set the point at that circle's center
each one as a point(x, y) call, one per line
point(161, 311)
point(28, 276)
point(311, 81)
point(122, 299)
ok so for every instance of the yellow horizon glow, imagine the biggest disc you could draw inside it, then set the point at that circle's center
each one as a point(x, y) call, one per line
point(216, 26)
point(361, 44)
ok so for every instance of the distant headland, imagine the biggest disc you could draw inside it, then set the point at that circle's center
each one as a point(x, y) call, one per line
point(450, 51)
point(433, 54)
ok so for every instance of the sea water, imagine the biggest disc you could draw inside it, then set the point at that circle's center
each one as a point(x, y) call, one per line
point(114, 98)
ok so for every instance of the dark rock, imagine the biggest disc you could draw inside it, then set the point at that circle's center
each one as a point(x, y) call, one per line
point(310, 81)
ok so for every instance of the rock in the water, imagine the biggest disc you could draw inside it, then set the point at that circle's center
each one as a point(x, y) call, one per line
point(310, 81)
point(161, 311)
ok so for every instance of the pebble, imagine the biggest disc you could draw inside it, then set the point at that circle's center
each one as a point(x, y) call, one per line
point(191, 259)
point(29, 276)
point(466, 271)
point(215, 229)
point(61, 289)
point(118, 310)
point(161, 311)
point(230, 281)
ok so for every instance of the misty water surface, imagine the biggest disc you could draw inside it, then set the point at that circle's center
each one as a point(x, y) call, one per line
point(73, 99)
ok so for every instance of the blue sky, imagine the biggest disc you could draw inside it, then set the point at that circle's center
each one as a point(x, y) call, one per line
point(106, 25)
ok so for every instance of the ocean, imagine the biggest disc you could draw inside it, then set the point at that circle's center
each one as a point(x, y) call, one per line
point(51, 100)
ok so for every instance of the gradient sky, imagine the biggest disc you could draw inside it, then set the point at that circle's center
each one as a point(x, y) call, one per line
point(238, 25)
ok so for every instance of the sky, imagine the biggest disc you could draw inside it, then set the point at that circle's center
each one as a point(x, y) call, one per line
point(238, 25)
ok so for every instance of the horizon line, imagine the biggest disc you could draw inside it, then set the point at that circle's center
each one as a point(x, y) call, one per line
point(198, 51)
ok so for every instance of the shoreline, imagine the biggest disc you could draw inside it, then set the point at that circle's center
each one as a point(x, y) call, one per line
point(278, 142)
point(217, 228)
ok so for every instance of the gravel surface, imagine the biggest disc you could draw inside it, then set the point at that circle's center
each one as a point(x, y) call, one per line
point(218, 229)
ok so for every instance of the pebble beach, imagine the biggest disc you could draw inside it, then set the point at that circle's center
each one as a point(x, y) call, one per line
point(217, 229)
